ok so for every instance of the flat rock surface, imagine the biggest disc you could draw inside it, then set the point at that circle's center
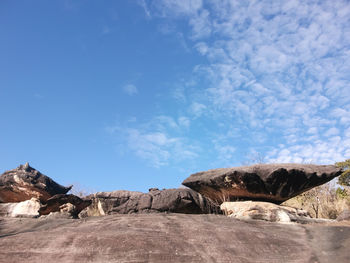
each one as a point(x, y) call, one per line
point(261, 182)
point(170, 238)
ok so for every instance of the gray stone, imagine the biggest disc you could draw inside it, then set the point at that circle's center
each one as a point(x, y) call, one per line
point(167, 237)
point(168, 200)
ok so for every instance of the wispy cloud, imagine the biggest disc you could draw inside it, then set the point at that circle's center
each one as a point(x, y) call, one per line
point(130, 89)
point(159, 142)
point(276, 66)
point(275, 81)
point(144, 5)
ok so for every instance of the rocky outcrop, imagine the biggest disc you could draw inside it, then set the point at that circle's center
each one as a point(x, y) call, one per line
point(28, 208)
point(262, 182)
point(162, 237)
point(25, 182)
point(168, 200)
point(62, 203)
point(266, 211)
point(345, 215)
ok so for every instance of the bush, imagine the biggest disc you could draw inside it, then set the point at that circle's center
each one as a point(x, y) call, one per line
point(324, 201)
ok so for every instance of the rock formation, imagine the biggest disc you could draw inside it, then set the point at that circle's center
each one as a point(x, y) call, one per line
point(25, 182)
point(28, 208)
point(265, 211)
point(171, 238)
point(262, 182)
point(64, 203)
point(168, 200)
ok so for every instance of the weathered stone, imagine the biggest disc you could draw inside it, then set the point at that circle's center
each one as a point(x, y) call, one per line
point(262, 182)
point(266, 211)
point(25, 182)
point(171, 238)
point(169, 200)
point(28, 208)
point(64, 203)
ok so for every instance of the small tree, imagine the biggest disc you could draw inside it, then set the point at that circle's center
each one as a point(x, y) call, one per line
point(344, 178)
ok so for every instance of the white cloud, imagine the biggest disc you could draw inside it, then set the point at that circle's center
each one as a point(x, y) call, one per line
point(197, 109)
point(331, 132)
point(184, 122)
point(177, 7)
point(277, 71)
point(159, 142)
point(130, 89)
point(144, 5)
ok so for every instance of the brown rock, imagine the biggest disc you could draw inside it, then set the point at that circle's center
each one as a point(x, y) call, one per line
point(262, 182)
point(64, 203)
point(170, 238)
point(25, 182)
point(169, 200)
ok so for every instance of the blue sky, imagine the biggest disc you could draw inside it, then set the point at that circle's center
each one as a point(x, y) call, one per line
point(130, 95)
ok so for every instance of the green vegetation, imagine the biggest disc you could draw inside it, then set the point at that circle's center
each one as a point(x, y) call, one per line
point(344, 178)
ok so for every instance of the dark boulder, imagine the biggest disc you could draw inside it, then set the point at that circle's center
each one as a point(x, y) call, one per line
point(169, 200)
point(58, 202)
point(25, 182)
point(262, 182)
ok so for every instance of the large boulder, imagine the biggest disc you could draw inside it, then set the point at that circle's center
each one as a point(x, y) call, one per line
point(28, 208)
point(261, 182)
point(71, 204)
point(266, 211)
point(169, 200)
point(25, 182)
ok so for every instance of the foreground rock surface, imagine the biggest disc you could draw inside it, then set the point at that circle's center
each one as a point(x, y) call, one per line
point(262, 182)
point(25, 182)
point(170, 238)
point(169, 200)
point(267, 211)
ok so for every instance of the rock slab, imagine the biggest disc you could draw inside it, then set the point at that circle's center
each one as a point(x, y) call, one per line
point(128, 202)
point(25, 182)
point(262, 182)
point(161, 237)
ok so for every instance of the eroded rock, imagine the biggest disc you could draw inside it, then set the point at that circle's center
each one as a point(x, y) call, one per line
point(265, 211)
point(169, 200)
point(25, 182)
point(71, 204)
point(29, 208)
point(262, 182)
point(171, 238)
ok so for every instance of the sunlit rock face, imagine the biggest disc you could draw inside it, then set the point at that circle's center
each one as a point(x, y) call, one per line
point(265, 211)
point(25, 182)
point(28, 208)
point(262, 182)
